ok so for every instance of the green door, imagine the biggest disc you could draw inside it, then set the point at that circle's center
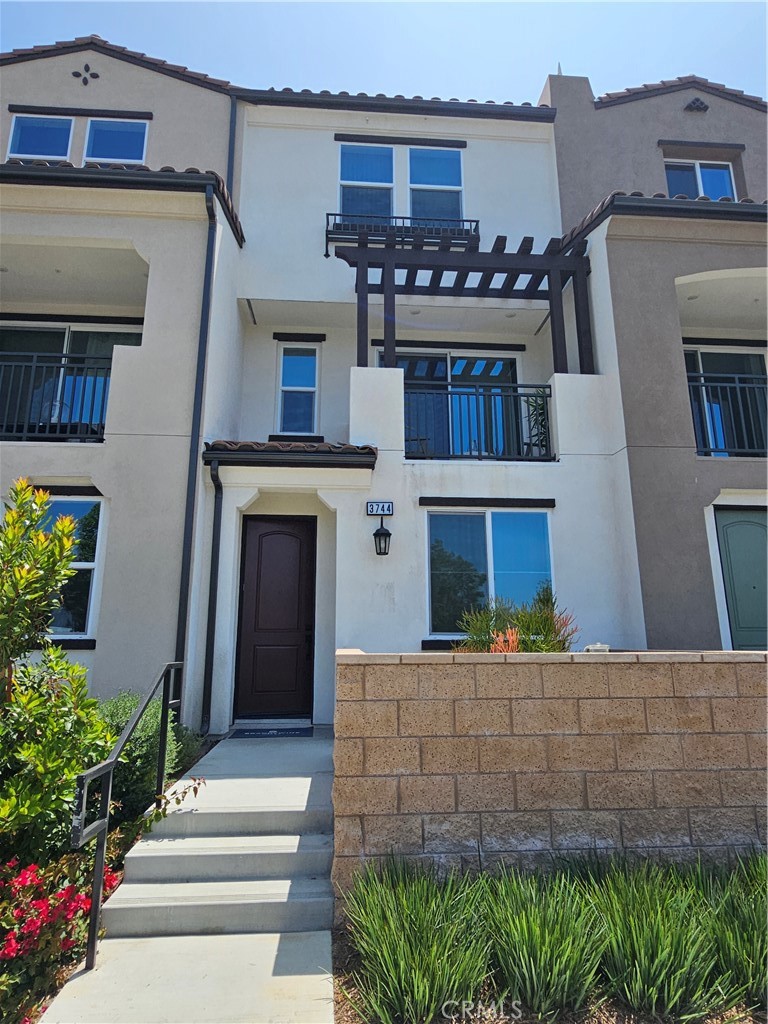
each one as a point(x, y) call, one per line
point(741, 535)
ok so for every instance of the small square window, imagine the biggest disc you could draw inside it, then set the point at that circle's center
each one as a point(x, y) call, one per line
point(44, 138)
point(123, 141)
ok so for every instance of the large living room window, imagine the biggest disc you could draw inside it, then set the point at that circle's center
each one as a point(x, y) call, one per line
point(367, 181)
point(75, 617)
point(694, 178)
point(40, 138)
point(55, 378)
point(474, 556)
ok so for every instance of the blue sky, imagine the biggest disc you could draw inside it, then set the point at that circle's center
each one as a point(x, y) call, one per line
point(500, 51)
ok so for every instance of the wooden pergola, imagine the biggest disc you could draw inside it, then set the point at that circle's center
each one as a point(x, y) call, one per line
point(497, 274)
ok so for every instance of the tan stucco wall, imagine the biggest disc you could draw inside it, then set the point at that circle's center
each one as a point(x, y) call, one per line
point(190, 126)
point(477, 760)
point(671, 485)
point(616, 147)
point(141, 467)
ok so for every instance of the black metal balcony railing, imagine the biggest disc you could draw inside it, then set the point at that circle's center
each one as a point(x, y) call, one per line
point(53, 397)
point(480, 421)
point(347, 227)
point(729, 413)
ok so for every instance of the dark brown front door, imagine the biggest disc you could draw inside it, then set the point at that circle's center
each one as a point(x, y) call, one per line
point(277, 617)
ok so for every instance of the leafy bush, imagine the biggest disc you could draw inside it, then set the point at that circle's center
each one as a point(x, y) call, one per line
point(43, 927)
point(190, 744)
point(539, 625)
point(420, 940)
point(50, 730)
point(135, 777)
point(546, 941)
point(34, 563)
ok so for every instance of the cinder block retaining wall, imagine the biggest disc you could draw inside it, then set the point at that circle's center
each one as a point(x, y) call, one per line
point(477, 759)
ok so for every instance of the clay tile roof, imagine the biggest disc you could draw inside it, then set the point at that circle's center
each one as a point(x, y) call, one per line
point(94, 42)
point(660, 205)
point(307, 453)
point(31, 171)
point(639, 92)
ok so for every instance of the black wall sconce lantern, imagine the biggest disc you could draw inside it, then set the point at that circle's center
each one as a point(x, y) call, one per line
point(381, 539)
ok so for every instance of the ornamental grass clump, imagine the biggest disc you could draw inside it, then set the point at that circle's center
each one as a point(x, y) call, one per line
point(421, 943)
point(502, 627)
point(546, 941)
point(660, 957)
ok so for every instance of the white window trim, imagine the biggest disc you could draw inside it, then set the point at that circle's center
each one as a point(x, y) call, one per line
point(696, 164)
point(486, 513)
point(96, 566)
point(370, 184)
point(436, 188)
point(40, 156)
point(282, 346)
point(113, 159)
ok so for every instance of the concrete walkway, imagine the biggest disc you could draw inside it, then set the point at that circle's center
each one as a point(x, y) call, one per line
point(224, 913)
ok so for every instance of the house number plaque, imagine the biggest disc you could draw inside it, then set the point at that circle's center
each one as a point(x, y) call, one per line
point(379, 508)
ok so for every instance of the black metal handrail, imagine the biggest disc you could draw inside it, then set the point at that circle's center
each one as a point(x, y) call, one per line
point(169, 679)
point(53, 396)
point(406, 231)
point(504, 422)
point(729, 413)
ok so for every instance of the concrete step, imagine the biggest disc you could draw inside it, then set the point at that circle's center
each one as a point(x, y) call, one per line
point(221, 858)
point(246, 821)
point(213, 908)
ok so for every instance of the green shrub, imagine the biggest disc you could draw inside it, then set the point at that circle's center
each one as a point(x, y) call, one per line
point(420, 940)
point(546, 940)
point(50, 731)
point(34, 563)
point(660, 957)
point(190, 743)
point(135, 778)
point(541, 626)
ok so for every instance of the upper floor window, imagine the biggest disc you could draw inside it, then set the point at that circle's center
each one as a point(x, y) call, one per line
point(298, 390)
point(40, 138)
point(119, 141)
point(435, 183)
point(727, 389)
point(696, 178)
point(367, 180)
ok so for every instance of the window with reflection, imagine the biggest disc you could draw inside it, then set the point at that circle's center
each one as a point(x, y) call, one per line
point(74, 615)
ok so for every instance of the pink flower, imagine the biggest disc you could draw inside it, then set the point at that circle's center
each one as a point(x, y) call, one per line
point(10, 948)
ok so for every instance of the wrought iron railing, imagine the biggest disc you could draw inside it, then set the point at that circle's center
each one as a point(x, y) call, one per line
point(729, 413)
point(82, 833)
point(478, 421)
point(348, 227)
point(53, 397)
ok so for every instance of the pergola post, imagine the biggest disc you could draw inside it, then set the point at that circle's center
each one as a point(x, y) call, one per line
point(388, 282)
point(557, 322)
point(583, 324)
point(362, 312)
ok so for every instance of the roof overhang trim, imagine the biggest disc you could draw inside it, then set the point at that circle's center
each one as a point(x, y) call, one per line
point(14, 173)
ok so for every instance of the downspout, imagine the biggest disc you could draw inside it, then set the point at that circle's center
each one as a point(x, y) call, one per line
point(197, 415)
point(231, 149)
point(213, 593)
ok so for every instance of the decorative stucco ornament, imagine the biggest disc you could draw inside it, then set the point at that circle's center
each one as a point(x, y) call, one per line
point(697, 106)
point(85, 75)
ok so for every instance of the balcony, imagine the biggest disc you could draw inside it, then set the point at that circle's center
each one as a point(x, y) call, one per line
point(498, 423)
point(405, 231)
point(729, 414)
point(53, 397)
